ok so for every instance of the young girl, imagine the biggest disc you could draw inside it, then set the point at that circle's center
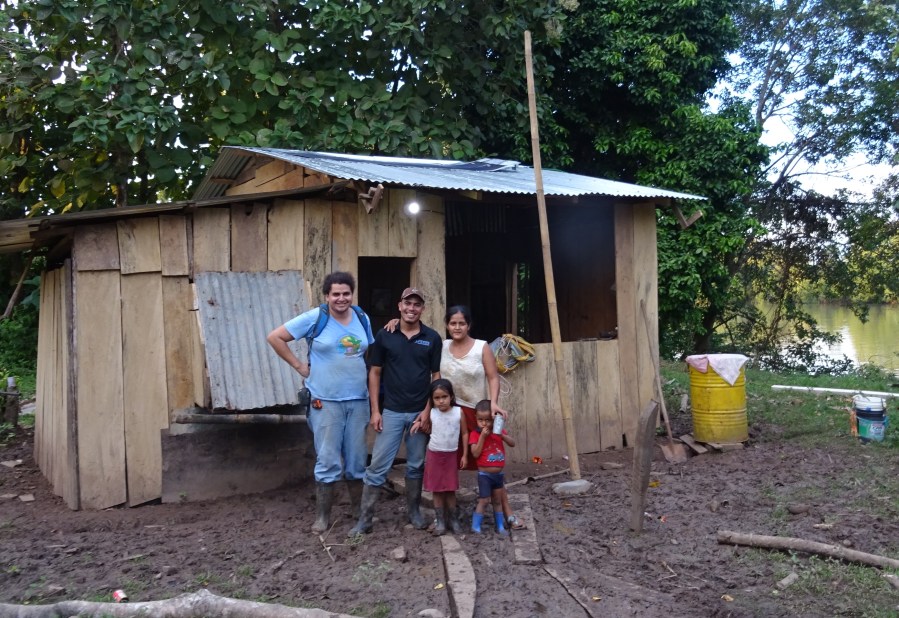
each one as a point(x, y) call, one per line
point(441, 473)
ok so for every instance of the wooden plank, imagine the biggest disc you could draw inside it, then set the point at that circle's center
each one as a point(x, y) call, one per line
point(144, 384)
point(581, 368)
point(101, 419)
point(202, 393)
point(524, 541)
point(512, 399)
point(285, 235)
point(249, 237)
point(428, 271)
point(345, 238)
point(173, 245)
point(260, 175)
point(139, 245)
point(544, 421)
point(96, 247)
point(643, 449)
point(609, 394)
point(317, 243)
point(373, 228)
point(46, 372)
point(71, 490)
point(646, 288)
point(270, 171)
point(177, 305)
point(693, 444)
point(212, 240)
point(402, 228)
point(291, 180)
point(628, 312)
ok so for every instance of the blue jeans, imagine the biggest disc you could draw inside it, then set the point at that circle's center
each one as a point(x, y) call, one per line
point(339, 432)
point(387, 445)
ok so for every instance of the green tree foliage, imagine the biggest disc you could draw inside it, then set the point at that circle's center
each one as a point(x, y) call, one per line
point(112, 101)
point(627, 98)
point(624, 86)
point(827, 71)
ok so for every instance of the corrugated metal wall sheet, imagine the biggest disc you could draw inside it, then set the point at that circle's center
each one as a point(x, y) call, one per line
point(237, 311)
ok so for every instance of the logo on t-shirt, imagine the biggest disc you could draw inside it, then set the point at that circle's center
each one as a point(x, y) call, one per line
point(423, 342)
point(350, 346)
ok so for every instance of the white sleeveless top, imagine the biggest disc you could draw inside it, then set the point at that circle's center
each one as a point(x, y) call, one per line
point(445, 430)
point(466, 373)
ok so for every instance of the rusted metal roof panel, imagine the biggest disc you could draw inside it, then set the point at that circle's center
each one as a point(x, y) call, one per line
point(488, 175)
point(237, 311)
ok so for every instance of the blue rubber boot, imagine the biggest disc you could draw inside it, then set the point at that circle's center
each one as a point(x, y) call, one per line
point(500, 520)
point(476, 520)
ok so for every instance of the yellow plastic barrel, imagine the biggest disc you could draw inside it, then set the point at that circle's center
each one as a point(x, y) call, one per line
point(719, 409)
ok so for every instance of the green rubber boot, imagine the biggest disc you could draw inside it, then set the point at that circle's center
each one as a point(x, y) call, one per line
point(324, 498)
point(413, 503)
point(366, 510)
point(354, 489)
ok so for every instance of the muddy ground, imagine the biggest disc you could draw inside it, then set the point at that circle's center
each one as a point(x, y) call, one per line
point(257, 547)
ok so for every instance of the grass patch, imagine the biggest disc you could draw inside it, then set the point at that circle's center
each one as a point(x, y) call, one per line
point(378, 610)
point(372, 575)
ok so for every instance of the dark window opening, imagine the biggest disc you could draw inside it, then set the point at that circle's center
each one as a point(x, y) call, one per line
point(494, 264)
point(381, 281)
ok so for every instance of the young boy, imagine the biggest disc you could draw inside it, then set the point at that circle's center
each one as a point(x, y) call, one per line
point(489, 451)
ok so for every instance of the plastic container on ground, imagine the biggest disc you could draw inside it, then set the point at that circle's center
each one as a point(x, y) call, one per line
point(870, 413)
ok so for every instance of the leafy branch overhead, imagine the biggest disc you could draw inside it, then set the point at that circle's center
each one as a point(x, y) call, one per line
point(115, 103)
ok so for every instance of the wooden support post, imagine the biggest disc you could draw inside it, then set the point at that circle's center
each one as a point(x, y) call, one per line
point(642, 463)
point(564, 398)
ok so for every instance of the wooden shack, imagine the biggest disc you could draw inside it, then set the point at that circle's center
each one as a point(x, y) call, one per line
point(152, 316)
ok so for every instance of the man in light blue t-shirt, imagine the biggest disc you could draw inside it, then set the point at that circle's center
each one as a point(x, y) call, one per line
point(336, 377)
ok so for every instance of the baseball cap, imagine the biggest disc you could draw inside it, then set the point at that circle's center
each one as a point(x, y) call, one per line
point(412, 292)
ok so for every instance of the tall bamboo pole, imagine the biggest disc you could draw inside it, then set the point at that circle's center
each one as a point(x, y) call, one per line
point(564, 400)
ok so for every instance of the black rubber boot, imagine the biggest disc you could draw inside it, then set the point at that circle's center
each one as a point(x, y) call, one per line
point(324, 497)
point(440, 528)
point(367, 510)
point(453, 522)
point(354, 489)
point(413, 503)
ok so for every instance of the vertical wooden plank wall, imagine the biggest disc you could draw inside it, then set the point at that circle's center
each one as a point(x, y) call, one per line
point(285, 235)
point(54, 444)
point(429, 268)
point(607, 376)
point(402, 228)
point(71, 492)
point(628, 304)
point(531, 396)
point(647, 288)
point(144, 384)
point(345, 238)
point(99, 389)
point(317, 244)
point(248, 237)
point(211, 240)
point(97, 360)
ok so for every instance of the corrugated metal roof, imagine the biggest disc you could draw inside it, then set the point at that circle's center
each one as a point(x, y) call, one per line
point(237, 310)
point(489, 175)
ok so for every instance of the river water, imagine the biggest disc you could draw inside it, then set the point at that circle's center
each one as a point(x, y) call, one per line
point(875, 341)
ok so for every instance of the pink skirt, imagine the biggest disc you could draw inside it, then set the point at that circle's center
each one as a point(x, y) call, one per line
point(441, 471)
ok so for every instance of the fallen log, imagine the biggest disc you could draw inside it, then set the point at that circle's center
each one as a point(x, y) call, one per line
point(806, 546)
point(193, 605)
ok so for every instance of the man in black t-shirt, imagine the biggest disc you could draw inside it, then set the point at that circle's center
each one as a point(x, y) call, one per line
point(403, 364)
